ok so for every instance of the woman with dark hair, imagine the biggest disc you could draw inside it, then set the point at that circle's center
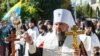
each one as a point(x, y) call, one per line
point(89, 23)
point(89, 37)
point(33, 25)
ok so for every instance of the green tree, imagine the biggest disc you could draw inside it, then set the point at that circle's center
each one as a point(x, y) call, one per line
point(85, 11)
point(79, 11)
point(3, 6)
point(40, 9)
point(66, 4)
point(88, 10)
point(28, 11)
point(46, 7)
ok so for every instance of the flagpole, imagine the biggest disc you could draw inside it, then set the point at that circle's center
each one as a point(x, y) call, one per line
point(8, 6)
point(21, 0)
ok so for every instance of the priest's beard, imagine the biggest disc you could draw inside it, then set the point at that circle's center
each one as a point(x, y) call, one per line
point(61, 38)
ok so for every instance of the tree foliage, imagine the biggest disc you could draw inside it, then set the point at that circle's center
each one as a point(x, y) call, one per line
point(40, 9)
point(28, 11)
point(2, 8)
point(46, 7)
point(4, 4)
point(86, 11)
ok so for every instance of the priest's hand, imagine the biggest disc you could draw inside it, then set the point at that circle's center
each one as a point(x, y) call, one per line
point(28, 38)
point(76, 52)
point(95, 51)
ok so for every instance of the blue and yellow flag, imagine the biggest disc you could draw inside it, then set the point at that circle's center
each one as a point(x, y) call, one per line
point(16, 8)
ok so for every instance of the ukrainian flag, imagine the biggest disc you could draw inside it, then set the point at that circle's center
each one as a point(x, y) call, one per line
point(16, 8)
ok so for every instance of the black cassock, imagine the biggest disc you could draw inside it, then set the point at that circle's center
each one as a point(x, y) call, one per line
point(39, 52)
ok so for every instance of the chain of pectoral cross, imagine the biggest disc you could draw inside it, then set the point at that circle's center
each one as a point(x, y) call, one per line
point(75, 33)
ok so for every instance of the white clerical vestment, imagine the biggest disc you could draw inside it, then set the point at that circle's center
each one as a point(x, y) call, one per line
point(40, 39)
point(51, 46)
point(30, 47)
point(89, 42)
point(27, 46)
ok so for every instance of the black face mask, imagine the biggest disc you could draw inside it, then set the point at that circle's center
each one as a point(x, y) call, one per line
point(98, 29)
point(61, 38)
point(97, 54)
point(88, 34)
point(50, 30)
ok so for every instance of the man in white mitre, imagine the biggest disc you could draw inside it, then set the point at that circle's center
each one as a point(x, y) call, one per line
point(58, 43)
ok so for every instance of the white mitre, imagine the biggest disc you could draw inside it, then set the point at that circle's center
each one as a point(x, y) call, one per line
point(63, 15)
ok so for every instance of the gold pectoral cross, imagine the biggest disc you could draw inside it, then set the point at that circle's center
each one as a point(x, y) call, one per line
point(74, 32)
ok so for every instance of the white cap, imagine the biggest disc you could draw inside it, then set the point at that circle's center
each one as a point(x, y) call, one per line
point(63, 15)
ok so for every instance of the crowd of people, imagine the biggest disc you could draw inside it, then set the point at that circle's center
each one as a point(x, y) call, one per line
point(48, 38)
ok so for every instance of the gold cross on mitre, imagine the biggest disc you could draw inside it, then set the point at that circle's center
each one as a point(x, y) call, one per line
point(74, 32)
